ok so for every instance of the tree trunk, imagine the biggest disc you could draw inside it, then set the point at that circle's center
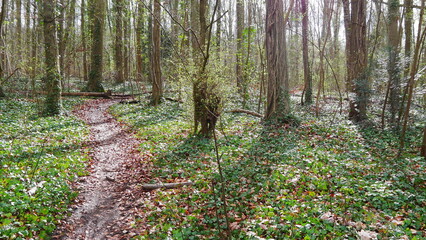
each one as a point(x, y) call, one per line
point(126, 41)
point(423, 150)
point(83, 40)
point(61, 36)
point(2, 53)
point(421, 33)
point(278, 99)
point(393, 67)
point(139, 48)
point(97, 17)
point(239, 58)
point(52, 78)
point(206, 100)
point(306, 68)
point(118, 48)
point(356, 38)
point(157, 83)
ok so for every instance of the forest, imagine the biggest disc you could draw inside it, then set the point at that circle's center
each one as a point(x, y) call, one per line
point(213, 119)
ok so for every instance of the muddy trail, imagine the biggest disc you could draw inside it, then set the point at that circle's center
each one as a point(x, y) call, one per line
point(110, 198)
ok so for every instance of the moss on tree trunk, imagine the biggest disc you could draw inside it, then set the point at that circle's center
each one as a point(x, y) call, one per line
point(52, 104)
point(97, 9)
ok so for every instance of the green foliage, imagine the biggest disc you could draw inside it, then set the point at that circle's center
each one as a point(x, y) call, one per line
point(39, 158)
point(317, 181)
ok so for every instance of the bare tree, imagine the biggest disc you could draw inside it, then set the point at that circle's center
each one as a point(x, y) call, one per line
point(306, 68)
point(157, 82)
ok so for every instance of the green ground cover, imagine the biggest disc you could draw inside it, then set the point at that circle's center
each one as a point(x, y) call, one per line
point(39, 158)
point(326, 179)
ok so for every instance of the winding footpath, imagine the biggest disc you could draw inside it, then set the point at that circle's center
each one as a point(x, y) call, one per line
point(106, 206)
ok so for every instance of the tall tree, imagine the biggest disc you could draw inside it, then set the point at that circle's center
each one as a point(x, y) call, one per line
point(306, 68)
point(393, 66)
point(2, 50)
point(278, 99)
point(356, 57)
point(157, 83)
point(97, 17)
point(118, 48)
point(139, 47)
point(239, 64)
point(52, 78)
point(83, 39)
point(206, 100)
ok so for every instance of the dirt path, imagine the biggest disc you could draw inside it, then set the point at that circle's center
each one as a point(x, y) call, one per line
point(107, 204)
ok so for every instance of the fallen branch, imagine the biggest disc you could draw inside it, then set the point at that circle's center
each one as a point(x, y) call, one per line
point(106, 94)
point(150, 187)
point(6, 79)
point(246, 112)
point(173, 100)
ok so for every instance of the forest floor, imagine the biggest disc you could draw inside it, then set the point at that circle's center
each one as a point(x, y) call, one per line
point(106, 204)
point(80, 175)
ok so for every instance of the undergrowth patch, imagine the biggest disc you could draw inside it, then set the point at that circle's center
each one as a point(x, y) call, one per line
point(39, 157)
point(325, 179)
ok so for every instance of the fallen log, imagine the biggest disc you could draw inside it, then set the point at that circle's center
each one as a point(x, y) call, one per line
point(246, 112)
point(106, 94)
point(150, 187)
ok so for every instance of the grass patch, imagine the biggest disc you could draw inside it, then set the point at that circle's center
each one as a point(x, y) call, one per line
point(39, 158)
point(316, 181)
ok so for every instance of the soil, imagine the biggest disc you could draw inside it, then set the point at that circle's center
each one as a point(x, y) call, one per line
point(110, 198)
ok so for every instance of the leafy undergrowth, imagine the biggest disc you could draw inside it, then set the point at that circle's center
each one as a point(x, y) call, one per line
point(39, 157)
point(317, 181)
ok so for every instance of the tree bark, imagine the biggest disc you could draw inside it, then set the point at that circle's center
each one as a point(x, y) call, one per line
point(393, 67)
point(2, 53)
point(52, 104)
point(206, 100)
point(150, 187)
point(278, 99)
point(139, 47)
point(239, 66)
point(157, 83)
point(97, 19)
point(306, 68)
point(83, 40)
point(118, 48)
point(423, 149)
point(357, 76)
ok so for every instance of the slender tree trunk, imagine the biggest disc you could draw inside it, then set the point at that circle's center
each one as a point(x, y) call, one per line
point(306, 68)
point(97, 19)
point(118, 48)
point(61, 36)
point(423, 149)
point(52, 78)
point(421, 33)
point(126, 41)
point(139, 47)
point(83, 40)
point(393, 67)
point(239, 58)
point(2, 50)
point(408, 27)
point(219, 25)
point(18, 44)
point(157, 83)
point(278, 100)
